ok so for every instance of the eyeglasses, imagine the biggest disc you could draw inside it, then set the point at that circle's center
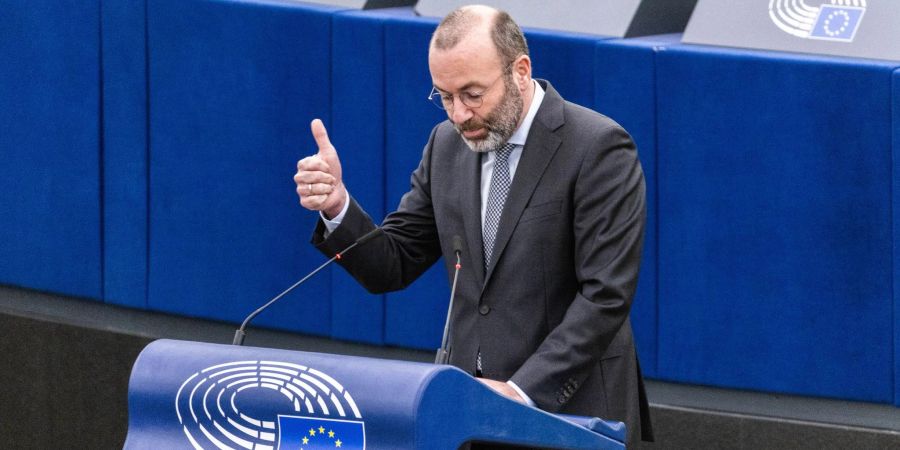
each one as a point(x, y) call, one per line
point(444, 100)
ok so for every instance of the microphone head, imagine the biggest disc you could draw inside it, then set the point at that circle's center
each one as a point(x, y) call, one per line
point(457, 244)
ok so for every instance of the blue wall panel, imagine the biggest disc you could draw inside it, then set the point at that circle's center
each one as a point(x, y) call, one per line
point(125, 152)
point(358, 133)
point(775, 223)
point(415, 316)
point(626, 91)
point(565, 60)
point(233, 87)
point(50, 209)
point(896, 231)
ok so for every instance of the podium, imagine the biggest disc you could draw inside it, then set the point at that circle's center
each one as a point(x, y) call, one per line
point(194, 395)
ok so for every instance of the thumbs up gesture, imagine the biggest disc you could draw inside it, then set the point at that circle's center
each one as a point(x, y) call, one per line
point(318, 177)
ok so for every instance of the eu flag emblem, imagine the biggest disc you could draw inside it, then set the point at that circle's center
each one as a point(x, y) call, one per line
point(837, 23)
point(315, 433)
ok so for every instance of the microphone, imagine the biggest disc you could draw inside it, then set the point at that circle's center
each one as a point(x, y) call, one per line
point(240, 334)
point(443, 353)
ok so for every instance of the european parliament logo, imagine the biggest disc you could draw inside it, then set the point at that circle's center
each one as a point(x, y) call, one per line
point(227, 407)
point(837, 21)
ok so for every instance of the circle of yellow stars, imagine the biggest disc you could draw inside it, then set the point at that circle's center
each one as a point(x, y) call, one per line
point(321, 431)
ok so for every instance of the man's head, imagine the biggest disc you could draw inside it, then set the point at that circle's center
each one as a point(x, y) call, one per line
point(480, 67)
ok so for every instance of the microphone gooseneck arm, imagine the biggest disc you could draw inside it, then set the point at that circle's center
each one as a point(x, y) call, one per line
point(443, 353)
point(239, 335)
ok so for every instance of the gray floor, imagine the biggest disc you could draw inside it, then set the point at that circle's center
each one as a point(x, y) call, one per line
point(682, 413)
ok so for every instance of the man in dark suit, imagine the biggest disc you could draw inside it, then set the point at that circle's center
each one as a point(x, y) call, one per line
point(549, 200)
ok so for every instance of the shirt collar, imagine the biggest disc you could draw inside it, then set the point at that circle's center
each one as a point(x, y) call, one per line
point(521, 133)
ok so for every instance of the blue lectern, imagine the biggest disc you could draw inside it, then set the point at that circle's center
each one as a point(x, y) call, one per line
point(210, 396)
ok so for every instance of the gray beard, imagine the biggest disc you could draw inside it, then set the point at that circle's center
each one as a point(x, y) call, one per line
point(491, 142)
point(501, 123)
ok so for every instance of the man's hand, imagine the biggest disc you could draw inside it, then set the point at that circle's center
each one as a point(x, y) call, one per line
point(318, 177)
point(503, 389)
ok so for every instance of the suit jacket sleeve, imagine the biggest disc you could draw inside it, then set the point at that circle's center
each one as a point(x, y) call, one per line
point(406, 249)
point(608, 220)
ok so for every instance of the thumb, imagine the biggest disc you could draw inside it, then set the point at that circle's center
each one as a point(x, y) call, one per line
point(321, 137)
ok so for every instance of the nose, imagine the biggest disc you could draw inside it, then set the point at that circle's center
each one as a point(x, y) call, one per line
point(460, 112)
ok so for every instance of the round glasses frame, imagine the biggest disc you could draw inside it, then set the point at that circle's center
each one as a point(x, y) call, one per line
point(473, 100)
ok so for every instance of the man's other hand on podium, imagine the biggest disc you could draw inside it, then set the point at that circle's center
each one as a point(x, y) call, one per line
point(503, 389)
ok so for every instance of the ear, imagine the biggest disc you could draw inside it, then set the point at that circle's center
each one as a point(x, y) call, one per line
point(522, 71)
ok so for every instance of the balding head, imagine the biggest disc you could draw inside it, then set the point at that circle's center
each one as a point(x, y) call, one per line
point(481, 22)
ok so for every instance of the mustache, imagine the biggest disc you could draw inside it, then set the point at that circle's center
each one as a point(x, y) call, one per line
point(472, 125)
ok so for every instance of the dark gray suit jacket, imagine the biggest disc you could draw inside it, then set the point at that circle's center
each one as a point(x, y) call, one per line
point(551, 313)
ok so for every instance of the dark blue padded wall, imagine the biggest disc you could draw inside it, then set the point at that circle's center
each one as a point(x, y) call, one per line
point(50, 209)
point(896, 217)
point(358, 132)
point(233, 87)
point(125, 152)
point(775, 224)
point(625, 89)
point(415, 316)
point(564, 60)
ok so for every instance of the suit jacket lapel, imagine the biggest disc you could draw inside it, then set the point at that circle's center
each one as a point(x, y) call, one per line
point(540, 147)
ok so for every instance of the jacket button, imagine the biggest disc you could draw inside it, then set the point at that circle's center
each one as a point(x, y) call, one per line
point(484, 310)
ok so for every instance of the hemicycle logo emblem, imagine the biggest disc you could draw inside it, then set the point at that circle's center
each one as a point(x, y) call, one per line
point(216, 411)
point(834, 20)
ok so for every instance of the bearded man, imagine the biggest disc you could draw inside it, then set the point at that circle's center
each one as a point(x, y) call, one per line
point(549, 199)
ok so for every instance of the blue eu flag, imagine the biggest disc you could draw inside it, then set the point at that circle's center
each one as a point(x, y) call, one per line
point(314, 433)
point(837, 23)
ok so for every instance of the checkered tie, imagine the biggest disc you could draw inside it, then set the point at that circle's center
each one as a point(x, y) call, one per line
point(500, 182)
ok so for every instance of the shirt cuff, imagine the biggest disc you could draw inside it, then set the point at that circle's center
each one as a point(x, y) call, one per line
point(522, 394)
point(332, 224)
